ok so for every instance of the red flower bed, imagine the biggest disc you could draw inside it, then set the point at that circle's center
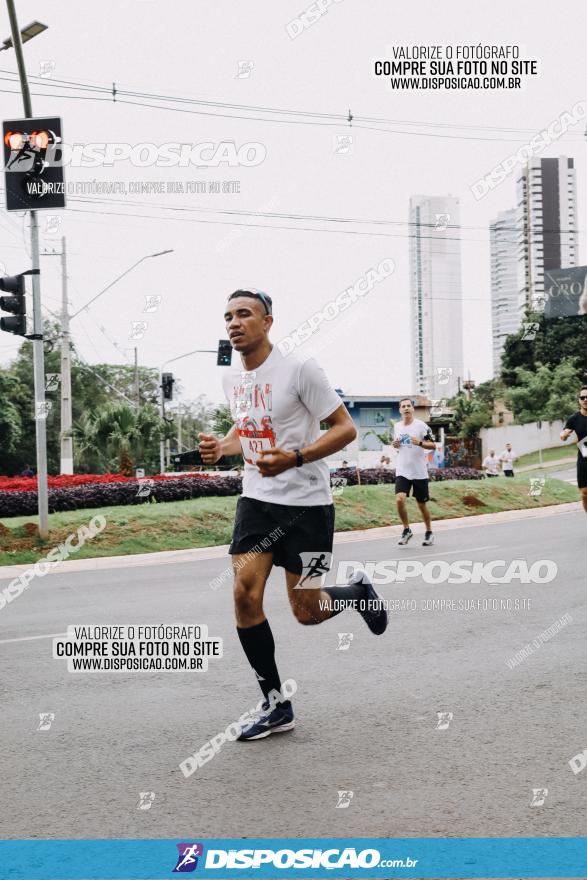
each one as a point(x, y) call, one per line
point(66, 481)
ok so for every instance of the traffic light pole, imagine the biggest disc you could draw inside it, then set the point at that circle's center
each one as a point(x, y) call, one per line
point(40, 414)
point(66, 414)
point(162, 441)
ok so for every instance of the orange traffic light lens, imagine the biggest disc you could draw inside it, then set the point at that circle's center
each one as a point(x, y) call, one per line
point(14, 139)
point(40, 139)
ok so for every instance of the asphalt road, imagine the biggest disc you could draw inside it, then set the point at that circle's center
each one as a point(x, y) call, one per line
point(366, 717)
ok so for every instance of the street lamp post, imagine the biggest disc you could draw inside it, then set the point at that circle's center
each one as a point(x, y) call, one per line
point(40, 414)
point(116, 280)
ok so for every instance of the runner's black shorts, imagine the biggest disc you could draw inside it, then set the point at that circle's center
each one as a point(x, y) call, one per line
point(419, 487)
point(284, 530)
point(581, 472)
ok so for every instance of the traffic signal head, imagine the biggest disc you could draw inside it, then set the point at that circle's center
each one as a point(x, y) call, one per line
point(15, 303)
point(167, 382)
point(224, 358)
point(33, 164)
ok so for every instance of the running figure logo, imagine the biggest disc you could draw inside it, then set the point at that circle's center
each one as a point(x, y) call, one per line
point(538, 796)
point(443, 375)
point(146, 799)
point(444, 719)
point(344, 641)
point(315, 567)
point(187, 860)
point(337, 485)
point(46, 720)
point(537, 484)
point(344, 799)
point(530, 330)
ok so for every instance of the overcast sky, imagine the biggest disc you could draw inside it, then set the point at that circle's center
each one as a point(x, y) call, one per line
point(193, 51)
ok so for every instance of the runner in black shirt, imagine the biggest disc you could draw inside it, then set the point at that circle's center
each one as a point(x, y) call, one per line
point(577, 423)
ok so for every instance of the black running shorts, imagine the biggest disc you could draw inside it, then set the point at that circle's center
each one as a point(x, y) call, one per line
point(581, 472)
point(419, 487)
point(285, 531)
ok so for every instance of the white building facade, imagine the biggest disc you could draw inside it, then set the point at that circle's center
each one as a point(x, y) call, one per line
point(436, 297)
point(505, 314)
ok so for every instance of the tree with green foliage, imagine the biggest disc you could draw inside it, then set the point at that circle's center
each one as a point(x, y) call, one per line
point(222, 420)
point(470, 414)
point(10, 420)
point(557, 341)
point(93, 387)
point(118, 433)
point(545, 392)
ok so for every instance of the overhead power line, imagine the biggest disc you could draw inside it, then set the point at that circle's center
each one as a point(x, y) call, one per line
point(116, 94)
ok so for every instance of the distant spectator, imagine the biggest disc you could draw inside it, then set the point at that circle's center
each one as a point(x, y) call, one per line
point(344, 463)
point(507, 459)
point(491, 464)
point(28, 471)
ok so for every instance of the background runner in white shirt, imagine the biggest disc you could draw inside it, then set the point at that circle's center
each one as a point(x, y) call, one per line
point(412, 439)
point(491, 464)
point(507, 459)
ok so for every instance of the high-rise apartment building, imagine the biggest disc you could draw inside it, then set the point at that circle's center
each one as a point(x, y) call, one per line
point(436, 295)
point(547, 225)
point(505, 315)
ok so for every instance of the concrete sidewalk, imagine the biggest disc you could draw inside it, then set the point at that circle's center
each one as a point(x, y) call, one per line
point(560, 462)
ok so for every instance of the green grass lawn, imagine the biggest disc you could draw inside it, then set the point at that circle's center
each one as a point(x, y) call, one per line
point(555, 453)
point(204, 522)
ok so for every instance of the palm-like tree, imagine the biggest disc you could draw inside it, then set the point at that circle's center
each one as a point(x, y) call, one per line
point(117, 431)
point(86, 443)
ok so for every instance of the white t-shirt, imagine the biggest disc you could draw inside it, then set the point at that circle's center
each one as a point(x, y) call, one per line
point(491, 464)
point(507, 460)
point(411, 459)
point(282, 403)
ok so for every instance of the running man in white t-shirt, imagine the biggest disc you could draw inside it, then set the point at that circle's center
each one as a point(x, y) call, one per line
point(285, 516)
point(507, 459)
point(491, 464)
point(412, 439)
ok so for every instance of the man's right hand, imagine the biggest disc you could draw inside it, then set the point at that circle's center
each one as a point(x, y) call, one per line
point(396, 444)
point(566, 433)
point(210, 448)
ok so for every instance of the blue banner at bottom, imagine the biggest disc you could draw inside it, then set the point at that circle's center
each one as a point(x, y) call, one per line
point(294, 857)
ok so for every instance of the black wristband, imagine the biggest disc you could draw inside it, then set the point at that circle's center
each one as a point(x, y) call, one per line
point(299, 458)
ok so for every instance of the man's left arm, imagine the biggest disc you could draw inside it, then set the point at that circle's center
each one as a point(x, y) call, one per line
point(426, 442)
point(341, 431)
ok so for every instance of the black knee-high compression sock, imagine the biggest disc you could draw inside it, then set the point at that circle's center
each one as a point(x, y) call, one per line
point(347, 595)
point(258, 645)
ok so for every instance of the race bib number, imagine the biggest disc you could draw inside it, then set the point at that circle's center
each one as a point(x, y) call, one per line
point(254, 442)
point(582, 446)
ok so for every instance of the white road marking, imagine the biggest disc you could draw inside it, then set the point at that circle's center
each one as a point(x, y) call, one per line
point(452, 552)
point(32, 638)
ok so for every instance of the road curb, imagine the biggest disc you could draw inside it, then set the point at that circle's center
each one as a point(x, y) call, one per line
point(167, 557)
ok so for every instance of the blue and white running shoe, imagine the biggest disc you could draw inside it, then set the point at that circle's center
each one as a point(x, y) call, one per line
point(276, 720)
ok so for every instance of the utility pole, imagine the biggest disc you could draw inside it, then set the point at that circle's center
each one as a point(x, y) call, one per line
point(66, 414)
point(162, 442)
point(38, 352)
point(137, 389)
